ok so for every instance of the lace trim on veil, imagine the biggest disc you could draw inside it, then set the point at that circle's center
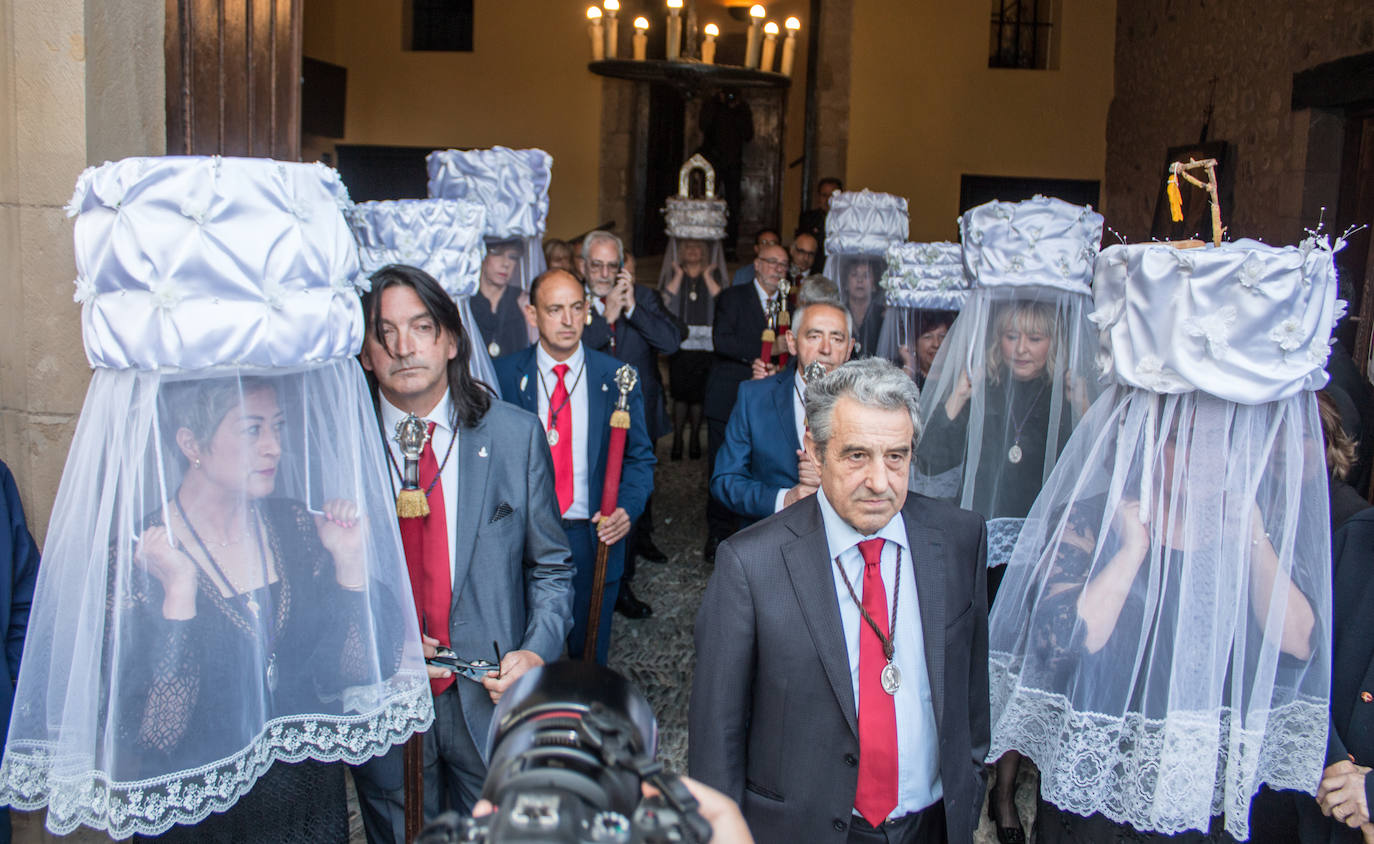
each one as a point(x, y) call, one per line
point(1002, 534)
point(1165, 775)
point(32, 776)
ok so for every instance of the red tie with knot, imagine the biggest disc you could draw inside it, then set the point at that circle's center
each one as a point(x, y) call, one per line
point(560, 422)
point(876, 795)
point(426, 545)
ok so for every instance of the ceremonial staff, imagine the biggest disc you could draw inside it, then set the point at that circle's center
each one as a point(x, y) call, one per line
point(784, 317)
point(769, 332)
point(625, 379)
point(412, 503)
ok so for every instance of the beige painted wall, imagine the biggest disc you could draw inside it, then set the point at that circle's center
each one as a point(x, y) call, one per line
point(71, 94)
point(525, 84)
point(925, 108)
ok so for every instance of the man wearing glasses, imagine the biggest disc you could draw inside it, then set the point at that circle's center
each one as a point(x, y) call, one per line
point(741, 317)
point(745, 274)
point(803, 254)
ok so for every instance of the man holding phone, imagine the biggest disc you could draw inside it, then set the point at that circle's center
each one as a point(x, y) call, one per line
point(630, 323)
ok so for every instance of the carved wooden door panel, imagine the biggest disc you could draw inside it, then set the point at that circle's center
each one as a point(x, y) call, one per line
point(233, 77)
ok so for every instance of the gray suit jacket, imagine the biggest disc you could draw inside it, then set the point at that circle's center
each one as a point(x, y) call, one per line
point(773, 721)
point(512, 567)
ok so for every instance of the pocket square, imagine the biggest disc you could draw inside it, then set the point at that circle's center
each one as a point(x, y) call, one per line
point(502, 510)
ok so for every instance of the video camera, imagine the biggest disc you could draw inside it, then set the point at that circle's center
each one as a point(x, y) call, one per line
point(570, 745)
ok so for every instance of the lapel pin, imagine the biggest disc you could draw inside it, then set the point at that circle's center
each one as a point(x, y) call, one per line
point(482, 452)
point(524, 380)
point(603, 388)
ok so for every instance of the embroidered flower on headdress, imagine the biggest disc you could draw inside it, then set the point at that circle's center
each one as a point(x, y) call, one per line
point(1339, 312)
point(196, 209)
point(1318, 352)
point(1104, 361)
point(1214, 328)
point(1186, 263)
point(1107, 315)
point(85, 290)
point(1250, 273)
point(1288, 334)
point(1017, 264)
point(274, 294)
point(166, 295)
point(1154, 375)
point(1065, 269)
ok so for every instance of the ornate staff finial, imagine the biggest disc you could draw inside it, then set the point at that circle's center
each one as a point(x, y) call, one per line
point(411, 435)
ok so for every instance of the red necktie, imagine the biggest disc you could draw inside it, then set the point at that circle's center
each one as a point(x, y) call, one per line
point(560, 420)
point(876, 795)
point(426, 545)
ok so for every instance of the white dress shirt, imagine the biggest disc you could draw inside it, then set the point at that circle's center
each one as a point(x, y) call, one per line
point(443, 435)
point(918, 761)
point(576, 381)
point(798, 419)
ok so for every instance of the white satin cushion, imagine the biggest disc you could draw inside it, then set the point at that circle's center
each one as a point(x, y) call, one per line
point(1042, 242)
point(443, 237)
point(926, 275)
point(513, 185)
point(191, 262)
point(1246, 322)
point(864, 222)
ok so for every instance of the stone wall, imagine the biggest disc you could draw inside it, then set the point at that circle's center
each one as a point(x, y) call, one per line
point(79, 82)
point(1166, 55)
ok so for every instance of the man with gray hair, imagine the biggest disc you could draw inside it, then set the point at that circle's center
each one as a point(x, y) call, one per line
point(841, 684)
point(761, 467)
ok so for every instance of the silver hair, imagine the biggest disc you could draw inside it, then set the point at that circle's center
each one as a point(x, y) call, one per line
point(834, 303)
point(872, 382)
point(593, 237)
point(818, 288)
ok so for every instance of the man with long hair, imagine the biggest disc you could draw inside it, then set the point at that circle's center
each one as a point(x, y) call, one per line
point(489, 563)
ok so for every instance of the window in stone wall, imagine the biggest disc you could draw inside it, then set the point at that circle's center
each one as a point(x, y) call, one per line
point(437, 26)
point(1023, 34)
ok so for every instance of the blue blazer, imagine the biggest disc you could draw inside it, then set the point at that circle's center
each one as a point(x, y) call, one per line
point(759, 455)
point(18, 571)
point(519, 378)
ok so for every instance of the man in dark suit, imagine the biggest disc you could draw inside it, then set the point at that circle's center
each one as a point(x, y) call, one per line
point(573, 391)
point(761, 468)
point(630, 324)
point(18, 572)
point(740, 319)
point(490, 561)
point(841, 684)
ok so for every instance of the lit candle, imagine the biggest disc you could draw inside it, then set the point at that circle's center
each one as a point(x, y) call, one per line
point(598, 33)
point(708, 44)
point(674, 30)
point(789, 46)
point(612, 29)
point(770, 45)
point(751, 53)
point(641, 39)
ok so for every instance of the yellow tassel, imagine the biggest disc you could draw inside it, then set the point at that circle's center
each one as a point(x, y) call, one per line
point(1175, 199)
point(412, 504)
point(769, 336)
point(785, 319)
point(621, 419)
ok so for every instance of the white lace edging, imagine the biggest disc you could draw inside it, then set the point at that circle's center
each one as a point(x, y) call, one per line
point(33, 776)
point(1163, 775)
point(1002, 535)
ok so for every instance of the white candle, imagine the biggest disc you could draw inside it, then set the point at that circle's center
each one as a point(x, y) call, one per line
point(751, 52)
point(770, 45)
point(674, 32)
point(612, 28)
point(789, 46)
point(641, 39)
point(598, 33)
point(708, 44)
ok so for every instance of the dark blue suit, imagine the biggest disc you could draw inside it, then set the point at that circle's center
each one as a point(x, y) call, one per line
point(638, 340)
point(18, 571)
point(759, 455)
point(518, 375)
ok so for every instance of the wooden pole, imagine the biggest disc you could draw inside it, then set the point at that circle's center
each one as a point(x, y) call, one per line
point(414, 761)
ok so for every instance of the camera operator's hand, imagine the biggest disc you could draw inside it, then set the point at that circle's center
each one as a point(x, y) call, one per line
point(513, 665)
point(430, 646)
point(726, 820)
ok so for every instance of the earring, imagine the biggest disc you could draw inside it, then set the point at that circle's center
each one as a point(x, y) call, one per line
point(197, 462)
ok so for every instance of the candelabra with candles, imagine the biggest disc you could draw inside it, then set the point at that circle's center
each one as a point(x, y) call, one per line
point(760, 52)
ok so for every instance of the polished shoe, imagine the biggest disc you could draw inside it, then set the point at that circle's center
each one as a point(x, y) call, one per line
point(645, 549)
point(1005, 834)
point(629, 606)
point(709, 552)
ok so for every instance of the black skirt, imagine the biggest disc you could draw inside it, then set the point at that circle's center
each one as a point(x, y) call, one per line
point(687, 371)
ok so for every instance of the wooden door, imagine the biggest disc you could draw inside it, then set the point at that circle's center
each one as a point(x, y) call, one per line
point(233, 77)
